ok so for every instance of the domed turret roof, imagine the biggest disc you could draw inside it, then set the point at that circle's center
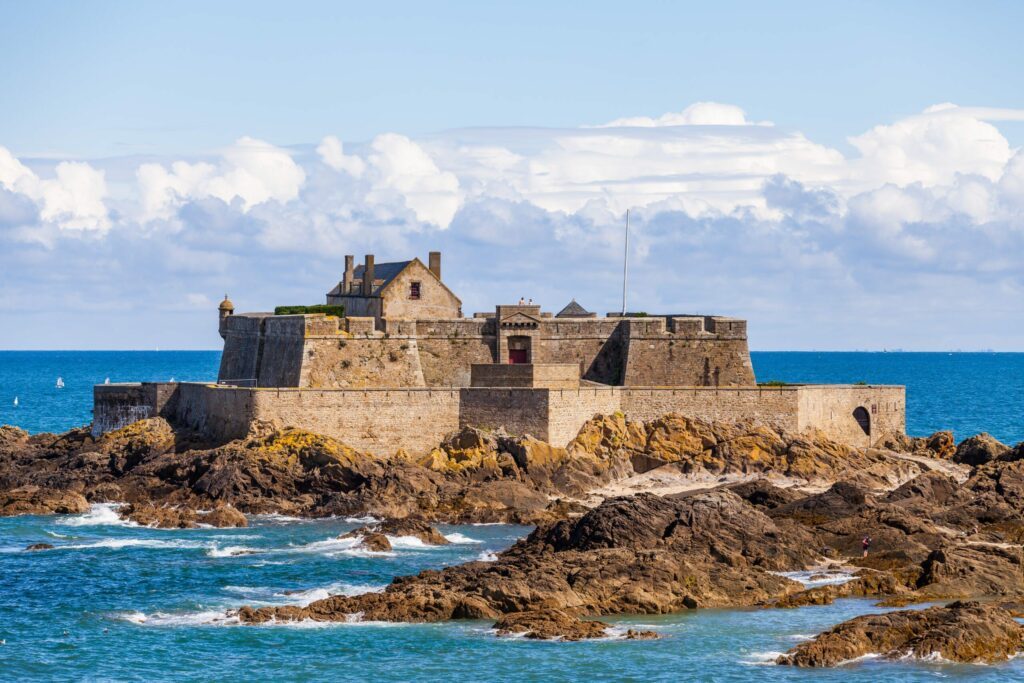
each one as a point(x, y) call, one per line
point(226, 305)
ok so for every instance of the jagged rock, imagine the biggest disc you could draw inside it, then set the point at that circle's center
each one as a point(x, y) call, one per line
point(979, 449)
point(643, 554)
point(406, 526)
point(377, 543)
point(159, 517)
point(224, 516)
point(959, 632)
point(36, 500)
point(941, 444)
point(40, 546)
point(549, 624)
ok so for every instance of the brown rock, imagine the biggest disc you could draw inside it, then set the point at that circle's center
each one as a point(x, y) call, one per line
point(35, 500)
point(979, 449)
point(377, 543)
point(40, 546)
point(224, 516)
point(159, 517)
point(549, 624)
point(959, 632)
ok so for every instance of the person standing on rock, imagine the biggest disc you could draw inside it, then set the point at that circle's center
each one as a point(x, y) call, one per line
point(866, 543)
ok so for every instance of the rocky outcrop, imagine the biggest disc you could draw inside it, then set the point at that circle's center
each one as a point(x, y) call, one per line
point(473, 475)
point(36, 500)
point(643, 554)
point(548, 625)
point(40, 546)
point(959, 632)
point(375, 537)
point(160, 517)
point(978, 450)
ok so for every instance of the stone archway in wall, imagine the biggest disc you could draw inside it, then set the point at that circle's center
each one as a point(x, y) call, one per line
point(863, 418)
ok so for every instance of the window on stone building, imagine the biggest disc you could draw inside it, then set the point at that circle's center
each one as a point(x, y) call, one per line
point(414, 290)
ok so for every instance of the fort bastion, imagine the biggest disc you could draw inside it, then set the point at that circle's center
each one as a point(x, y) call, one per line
point(403, 367)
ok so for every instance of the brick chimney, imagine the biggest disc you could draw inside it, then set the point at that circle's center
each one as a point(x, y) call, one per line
point(435, 263)
point(346, 283)
point(368, 275)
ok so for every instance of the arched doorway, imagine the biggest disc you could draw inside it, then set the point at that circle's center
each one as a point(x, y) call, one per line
point(863, 418)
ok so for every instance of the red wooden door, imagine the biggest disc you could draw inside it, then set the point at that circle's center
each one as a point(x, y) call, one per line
point(517, 356)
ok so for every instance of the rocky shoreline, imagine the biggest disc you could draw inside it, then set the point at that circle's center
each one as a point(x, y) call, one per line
point(632, 518)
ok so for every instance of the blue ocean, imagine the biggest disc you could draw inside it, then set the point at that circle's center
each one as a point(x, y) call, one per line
point(114, 601)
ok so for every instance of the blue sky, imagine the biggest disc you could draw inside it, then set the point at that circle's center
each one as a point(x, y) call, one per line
point(798, 164)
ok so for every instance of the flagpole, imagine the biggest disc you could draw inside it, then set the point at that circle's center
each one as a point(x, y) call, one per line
point(625, 264)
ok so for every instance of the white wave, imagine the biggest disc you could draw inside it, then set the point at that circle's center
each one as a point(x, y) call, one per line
point(814, 578)
point(333, 547)
point(365, 519)
point(761, 658)
point(863, 658)
point(117, 543)
point(202, 618)
point(56, 535)
point(487, 523)
point(800, 637)
point(460, 539)
point(277, 517)
point(99, 514)
point(230, 551)
point(409, 543)
point(301, 598)
point(487, 556)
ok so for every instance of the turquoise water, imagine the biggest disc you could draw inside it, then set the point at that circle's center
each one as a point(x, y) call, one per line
point(118, 602)
point(965, 392)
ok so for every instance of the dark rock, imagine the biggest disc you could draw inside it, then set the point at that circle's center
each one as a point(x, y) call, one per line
point(959, 632)
point(40, 546)
point(979, 449)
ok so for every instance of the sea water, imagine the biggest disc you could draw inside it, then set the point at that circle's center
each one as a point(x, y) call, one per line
point(115, 601)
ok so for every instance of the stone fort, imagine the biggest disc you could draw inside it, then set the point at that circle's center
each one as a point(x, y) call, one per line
point(402, 367)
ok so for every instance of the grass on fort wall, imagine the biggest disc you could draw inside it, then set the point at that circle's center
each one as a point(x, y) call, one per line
point(326, 309)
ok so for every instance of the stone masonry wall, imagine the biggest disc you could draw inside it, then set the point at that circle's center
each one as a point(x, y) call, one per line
point(436, 300)
point(342, 362)
point(380, 421)
point(776, 405)
point(830, 409)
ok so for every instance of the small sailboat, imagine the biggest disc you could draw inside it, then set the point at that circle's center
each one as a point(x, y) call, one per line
point(60, 382)
point(15, 401)
point(172, 379)
point(106, 381)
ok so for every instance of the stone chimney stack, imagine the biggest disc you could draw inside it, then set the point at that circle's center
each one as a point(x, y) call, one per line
point(346, 283)
point(368, 275)
point(435, 263)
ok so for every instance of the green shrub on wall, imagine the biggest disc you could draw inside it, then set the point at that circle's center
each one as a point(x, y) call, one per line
point(338, 311)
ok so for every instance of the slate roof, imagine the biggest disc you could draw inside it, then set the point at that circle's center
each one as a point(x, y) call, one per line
point(381, 271)
point(574, 310)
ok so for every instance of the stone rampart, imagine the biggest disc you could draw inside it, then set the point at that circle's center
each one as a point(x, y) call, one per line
point(382, 421)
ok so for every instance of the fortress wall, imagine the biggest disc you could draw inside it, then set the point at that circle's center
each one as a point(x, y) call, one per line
point(339, 362)
point(568, 410)
point(654, 357)
point(519, 411)
point(241, 348)
point(776, 406)
point(379, 421)
point(449, 348)
point(830, 409)
point(118, 405)
point(596, 349)
point(280, 358)
point(219, 413)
